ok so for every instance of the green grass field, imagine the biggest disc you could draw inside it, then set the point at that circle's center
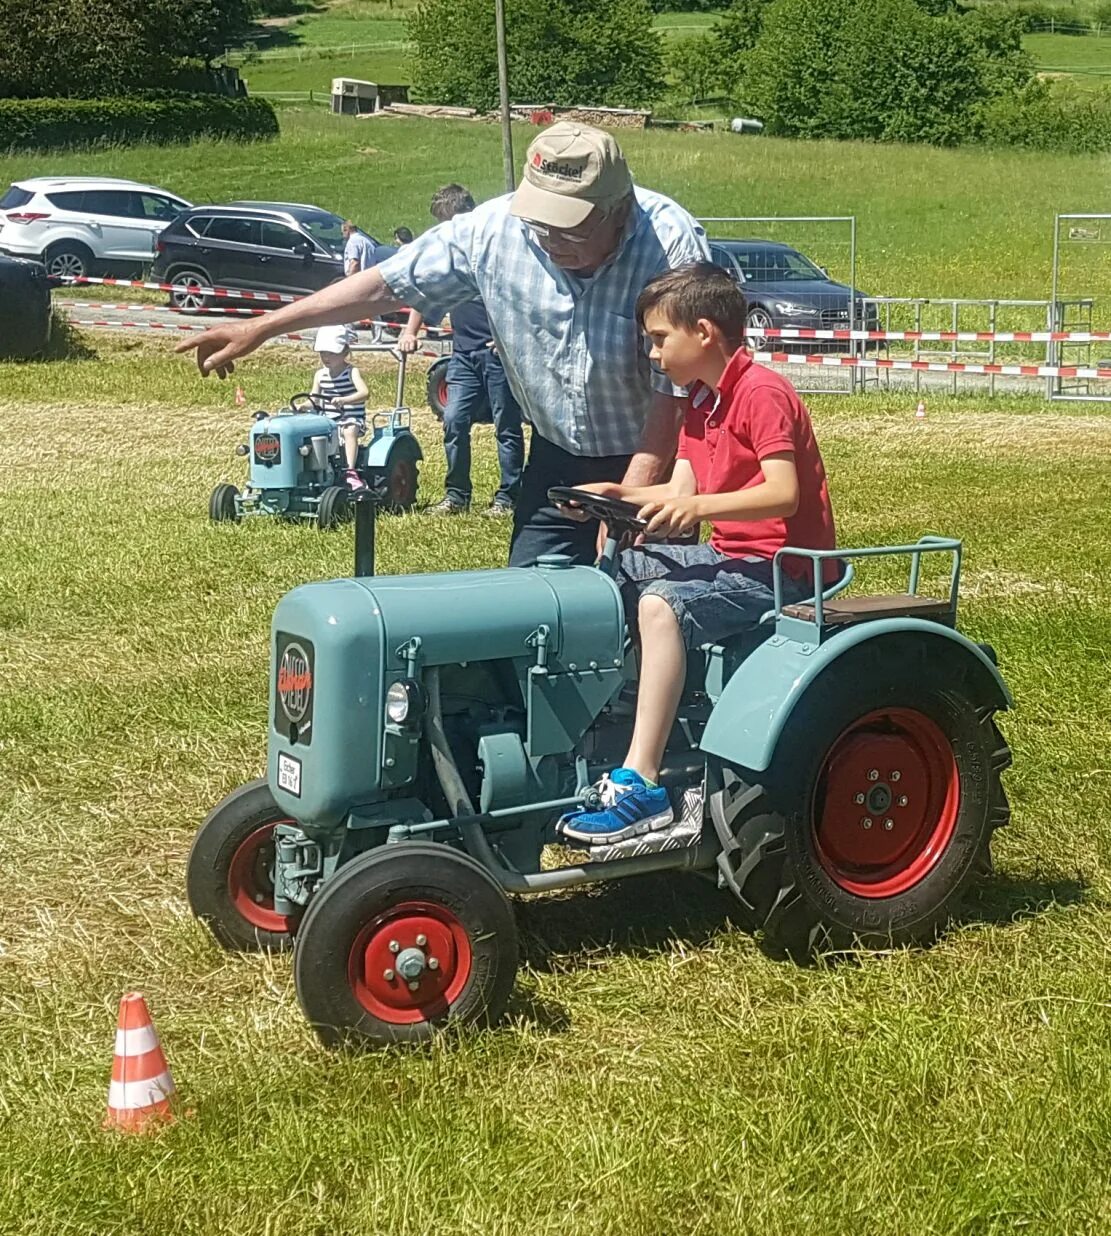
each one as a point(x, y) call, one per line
point(1081, 57)
point(366, 41)
point(931, 222)
point(658, 1073)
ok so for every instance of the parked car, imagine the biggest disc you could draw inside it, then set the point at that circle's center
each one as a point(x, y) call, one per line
point(83, 225)
point(785, 289)
point(255, 246)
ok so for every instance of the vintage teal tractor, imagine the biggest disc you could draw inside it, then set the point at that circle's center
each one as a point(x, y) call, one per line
point(837, 767)
point(296, 466)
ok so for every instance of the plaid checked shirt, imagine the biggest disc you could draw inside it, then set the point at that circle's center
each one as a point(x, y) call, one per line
point(570, 345)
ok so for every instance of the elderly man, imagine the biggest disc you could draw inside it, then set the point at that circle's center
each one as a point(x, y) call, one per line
point(559, 265)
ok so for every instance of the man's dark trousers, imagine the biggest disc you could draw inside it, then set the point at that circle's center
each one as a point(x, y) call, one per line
point(538, 527)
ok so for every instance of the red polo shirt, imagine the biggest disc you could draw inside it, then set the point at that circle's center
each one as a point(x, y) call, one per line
point(757, 413)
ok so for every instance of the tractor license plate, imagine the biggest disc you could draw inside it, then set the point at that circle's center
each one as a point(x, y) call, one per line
point(289, 774)
point(268, 449)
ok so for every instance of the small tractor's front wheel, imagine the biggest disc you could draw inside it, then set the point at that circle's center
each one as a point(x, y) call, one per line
point(402, 941)
point(229, 876)
point(878, 809)
point(333, 508)
point(222, 508)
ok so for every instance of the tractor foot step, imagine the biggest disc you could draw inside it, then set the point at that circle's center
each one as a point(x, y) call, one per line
point(685, 830)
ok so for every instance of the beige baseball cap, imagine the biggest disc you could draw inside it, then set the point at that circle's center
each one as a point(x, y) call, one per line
point(569, 169)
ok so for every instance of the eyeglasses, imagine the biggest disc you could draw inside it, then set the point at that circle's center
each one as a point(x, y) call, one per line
point(568, 235)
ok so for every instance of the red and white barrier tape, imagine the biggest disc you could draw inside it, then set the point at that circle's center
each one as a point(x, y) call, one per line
point(273, 298)
point(172, 327)
point(434, 332)
point(941, 336)
point(777, 358)
point(782, 332)
point(1008, 371)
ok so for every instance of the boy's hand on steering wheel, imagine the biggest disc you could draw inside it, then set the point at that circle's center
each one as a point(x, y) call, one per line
point(669, 517)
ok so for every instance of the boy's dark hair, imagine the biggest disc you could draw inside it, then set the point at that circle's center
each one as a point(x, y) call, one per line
point(402, 235)
point(450, 201)
point(700, 290)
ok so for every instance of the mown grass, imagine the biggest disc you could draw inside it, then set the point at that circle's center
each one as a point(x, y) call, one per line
point(658, 1072)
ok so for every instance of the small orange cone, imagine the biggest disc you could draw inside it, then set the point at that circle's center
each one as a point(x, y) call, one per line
point(141, 1085)
point(240, 397)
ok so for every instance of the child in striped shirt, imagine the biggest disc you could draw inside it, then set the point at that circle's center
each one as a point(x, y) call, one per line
point(341, 391)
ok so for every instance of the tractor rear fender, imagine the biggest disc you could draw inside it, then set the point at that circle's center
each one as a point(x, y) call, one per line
point(760, 697)
point(384, 449)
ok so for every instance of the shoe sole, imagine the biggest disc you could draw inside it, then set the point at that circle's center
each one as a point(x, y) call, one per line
point(648, 825)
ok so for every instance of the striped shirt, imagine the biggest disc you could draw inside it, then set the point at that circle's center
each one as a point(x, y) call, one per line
point(571, 346)
point(328, 388)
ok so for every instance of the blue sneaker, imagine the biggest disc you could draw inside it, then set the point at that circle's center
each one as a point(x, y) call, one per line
point(629, 809)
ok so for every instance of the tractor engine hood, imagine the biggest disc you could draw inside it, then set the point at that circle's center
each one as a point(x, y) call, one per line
point(338, 646)
point(276, 461)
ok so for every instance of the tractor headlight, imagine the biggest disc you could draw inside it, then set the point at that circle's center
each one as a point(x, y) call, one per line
point(404, 703)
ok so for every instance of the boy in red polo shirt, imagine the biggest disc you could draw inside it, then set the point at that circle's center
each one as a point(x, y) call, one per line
point(749, 464)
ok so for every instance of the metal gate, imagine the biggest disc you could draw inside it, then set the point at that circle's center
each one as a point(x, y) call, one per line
point(1081, 301)
point(781, 261)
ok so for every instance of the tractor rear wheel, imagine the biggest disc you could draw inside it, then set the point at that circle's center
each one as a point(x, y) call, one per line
point(333, 508)
point(221, 506)
point(437, 387)
point(878, 809)
point(402, 941)
point(229, 875)
point(402, 481)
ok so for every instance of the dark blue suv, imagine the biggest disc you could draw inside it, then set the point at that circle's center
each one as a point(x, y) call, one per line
point(256, 246)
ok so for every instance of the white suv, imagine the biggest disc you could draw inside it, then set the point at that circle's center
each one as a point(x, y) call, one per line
point(82, 225)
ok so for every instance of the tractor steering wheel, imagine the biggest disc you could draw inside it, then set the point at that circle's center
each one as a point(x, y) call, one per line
point(614, 512)
point(297, 403)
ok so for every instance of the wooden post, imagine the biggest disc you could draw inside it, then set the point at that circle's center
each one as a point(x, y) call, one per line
point(503, 95)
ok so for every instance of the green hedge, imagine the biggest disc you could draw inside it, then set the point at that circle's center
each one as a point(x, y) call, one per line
point(44, 124)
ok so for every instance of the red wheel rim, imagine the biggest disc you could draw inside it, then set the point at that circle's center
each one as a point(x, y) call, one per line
point(250, 884)
point(402, 482)
point(392, 941)
point(441, 392)
point(887, 803)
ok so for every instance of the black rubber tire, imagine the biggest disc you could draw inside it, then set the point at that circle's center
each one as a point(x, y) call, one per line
point(209, 869)
point(764, 821)
point(437, 387)
point(366, 888)
point(221, 506)
point(191, 274)
point(402, 481)
point(334, 509)
point(760, 319)
point(74, 257)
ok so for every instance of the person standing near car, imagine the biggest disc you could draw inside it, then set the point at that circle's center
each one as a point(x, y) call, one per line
point(559, 266)
point(360, 251)
point(475, 376)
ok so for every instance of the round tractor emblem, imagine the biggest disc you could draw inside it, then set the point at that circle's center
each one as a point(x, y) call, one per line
point(295, 682)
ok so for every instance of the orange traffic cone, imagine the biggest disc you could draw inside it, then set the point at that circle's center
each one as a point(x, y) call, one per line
point(141, 1085)
point(240, 397)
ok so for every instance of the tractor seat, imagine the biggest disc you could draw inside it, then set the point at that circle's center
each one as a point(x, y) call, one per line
point(848, 610)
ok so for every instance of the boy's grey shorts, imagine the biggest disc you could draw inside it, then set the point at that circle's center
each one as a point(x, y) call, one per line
point(712, 595)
